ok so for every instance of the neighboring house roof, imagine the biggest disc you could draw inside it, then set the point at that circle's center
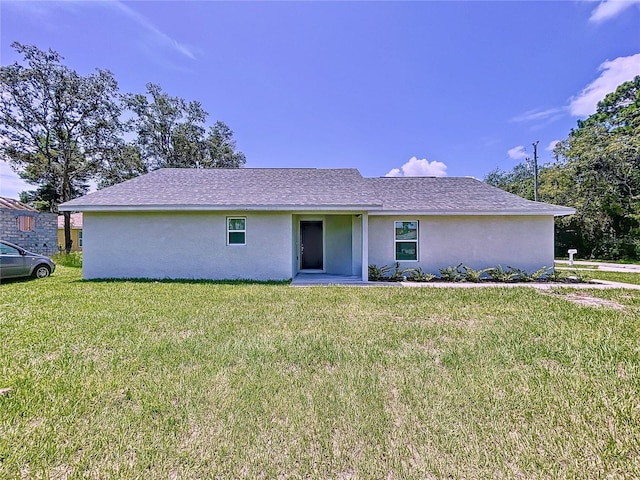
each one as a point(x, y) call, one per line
point(11, 204)
point(76, 220)
point(305, 189)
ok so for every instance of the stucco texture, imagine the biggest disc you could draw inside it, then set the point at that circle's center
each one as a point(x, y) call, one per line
point(524, 242)
point(187, 245)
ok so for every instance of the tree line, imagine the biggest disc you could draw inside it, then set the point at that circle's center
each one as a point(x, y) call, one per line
point(597, 172)
point(60, 130)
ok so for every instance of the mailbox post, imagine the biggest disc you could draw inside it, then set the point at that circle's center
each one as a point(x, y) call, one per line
point(572, 252)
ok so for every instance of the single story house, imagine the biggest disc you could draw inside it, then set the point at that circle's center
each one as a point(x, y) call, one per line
point(25, 226)
point(274, 223)
point(76, 232)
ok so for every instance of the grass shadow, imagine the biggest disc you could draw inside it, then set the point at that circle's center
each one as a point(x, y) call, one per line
point(17, 280)
point(185, 281)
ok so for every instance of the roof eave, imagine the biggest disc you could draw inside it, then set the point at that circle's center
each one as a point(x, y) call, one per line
point(215, 208)
point(511, 212)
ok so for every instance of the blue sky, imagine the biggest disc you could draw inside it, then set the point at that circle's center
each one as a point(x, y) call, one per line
point(400, 88)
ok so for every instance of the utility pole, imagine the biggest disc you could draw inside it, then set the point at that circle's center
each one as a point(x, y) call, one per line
point(535, 170)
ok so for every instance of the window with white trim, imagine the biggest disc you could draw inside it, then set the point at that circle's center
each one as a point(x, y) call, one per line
point(406, 241)
point(80, 238)
point(26, 223)
point(236, 231)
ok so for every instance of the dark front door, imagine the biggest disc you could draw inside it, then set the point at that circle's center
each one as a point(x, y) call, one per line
point(311, 245)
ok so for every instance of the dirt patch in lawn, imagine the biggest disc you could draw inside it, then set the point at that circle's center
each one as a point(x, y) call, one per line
point(585, 299)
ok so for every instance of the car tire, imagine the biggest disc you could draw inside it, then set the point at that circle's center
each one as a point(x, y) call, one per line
point(41, 271)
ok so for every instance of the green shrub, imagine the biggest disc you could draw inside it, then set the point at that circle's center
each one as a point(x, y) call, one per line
point(377, 273)
point(573, 276)
point(519, 275)
point(73, 259)
point(398, 274)
point(471, 275)
point(451, 274)
point(542, 274)
point(499, 274)
point(417, 275)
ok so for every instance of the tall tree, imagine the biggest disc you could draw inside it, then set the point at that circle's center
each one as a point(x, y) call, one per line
point(221, 148)
point(518, 181)
point(170, 132)
point(57, 126)
point(602, 156)
point(124, 163)
point(169, 129)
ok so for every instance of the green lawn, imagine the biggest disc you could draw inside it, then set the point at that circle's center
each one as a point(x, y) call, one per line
point(624, 277)
point(595, 274)
point(204, 380)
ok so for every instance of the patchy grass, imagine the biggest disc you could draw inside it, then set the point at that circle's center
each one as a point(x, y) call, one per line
point(624, 277)
point(207, 380)
point(594, 273)
point(623, 261)
point(565, 266)
point(602, 260)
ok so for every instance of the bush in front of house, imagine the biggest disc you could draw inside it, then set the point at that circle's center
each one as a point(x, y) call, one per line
point(464, 273)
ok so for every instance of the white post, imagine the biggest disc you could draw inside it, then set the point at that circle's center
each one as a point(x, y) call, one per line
point(365, 247)
point(572, 252)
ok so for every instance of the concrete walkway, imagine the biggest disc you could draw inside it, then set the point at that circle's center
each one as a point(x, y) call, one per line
point(344, 281)
point(309, 279)
point(320, 279)
point(601, 266)
point(595, 284)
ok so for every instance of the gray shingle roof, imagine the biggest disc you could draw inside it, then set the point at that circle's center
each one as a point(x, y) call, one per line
point(459, 194)
point(238, 187)
point(305, 189)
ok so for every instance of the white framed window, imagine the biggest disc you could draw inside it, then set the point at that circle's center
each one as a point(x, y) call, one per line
point(26, 223)
point(80, 238)
point(406, 241)
point(236, 230)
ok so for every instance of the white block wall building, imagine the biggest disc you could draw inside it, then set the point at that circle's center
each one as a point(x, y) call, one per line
point(272, 224)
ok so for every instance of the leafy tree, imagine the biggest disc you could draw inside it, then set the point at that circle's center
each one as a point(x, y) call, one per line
point(57, 126)
point(602, 157)
point(518, 181)
point(171, 133)
point(598, 173)
point(169, 130)
point(221, 148)
point(124, 163)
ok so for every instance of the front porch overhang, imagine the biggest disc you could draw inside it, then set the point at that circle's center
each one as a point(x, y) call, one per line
point(345, 251)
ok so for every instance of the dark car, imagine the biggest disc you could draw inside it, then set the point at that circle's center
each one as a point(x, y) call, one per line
point(17, 262)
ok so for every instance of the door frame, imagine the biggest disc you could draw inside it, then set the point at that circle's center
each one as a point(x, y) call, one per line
point(324, 244)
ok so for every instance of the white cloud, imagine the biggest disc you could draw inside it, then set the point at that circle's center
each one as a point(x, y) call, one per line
point(552, 145)
point(10, 183)
point(610, 8)
point(614, 73)
point(517, 153)
point(537, 114)
point(419, 168)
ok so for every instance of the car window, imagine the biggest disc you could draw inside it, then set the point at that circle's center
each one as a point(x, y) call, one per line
point(7, 250)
